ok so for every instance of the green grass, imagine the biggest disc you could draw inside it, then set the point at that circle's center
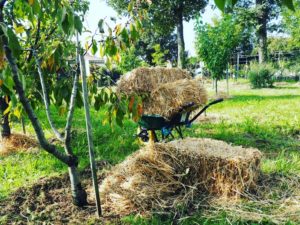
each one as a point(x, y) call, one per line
point(19, 170)
point(267, 119)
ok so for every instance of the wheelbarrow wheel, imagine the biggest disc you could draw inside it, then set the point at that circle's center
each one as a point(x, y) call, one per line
point(142, 135)
point(145, 135)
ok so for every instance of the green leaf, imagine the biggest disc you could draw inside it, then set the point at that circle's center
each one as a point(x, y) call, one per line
point(109, 66)
point(110, 47)
point(233, 2)
point(119, 117)
point(65, 24)
point(220, 4)
point(78, 24)
point(289, 4)
point(61, 14)
point(130, 7)
point(138, 24)
point(100, 26)
point(17, 113)
point(13, 43)
point(102, 51)
point(94, 47)
point(125, 37)
point(133, 32)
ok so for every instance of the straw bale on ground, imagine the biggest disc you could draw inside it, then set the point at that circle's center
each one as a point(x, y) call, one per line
point(17, 143)
point(162, 176)
point(167, 99)
point(143, 80)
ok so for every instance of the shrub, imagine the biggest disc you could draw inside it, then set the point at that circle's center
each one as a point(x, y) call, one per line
point(261, 75)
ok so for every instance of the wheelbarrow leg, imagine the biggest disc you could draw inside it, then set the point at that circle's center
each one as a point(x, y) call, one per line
point(178, 129)
point(153, 135)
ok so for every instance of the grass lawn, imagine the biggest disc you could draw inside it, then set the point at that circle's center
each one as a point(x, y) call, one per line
point(267, 119)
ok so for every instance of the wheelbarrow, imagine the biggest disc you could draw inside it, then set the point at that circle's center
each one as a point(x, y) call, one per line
point(150, 124)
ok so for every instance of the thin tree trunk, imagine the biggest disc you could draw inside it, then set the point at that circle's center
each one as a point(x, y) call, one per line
point(45, 98)
point(78, 193)
point(216, 86)
point(23, 125)
point(227, 79)
point(5, 127)
point(180, 40)
point(89, 127)
point(262, 31)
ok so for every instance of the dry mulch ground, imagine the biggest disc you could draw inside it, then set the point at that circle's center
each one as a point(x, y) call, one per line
point(50, 200)
point(17, 143)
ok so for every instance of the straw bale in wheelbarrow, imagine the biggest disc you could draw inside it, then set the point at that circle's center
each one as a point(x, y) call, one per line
point(167, 99)
point(162, 176)
point(143, 80)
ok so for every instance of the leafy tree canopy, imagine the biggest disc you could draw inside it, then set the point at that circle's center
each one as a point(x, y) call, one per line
point(215, 43)
point(291, 23)
point(163, 13)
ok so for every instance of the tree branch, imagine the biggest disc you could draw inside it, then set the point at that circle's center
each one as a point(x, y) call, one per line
point(37, 37)
point(71, 112)
point(45, 98)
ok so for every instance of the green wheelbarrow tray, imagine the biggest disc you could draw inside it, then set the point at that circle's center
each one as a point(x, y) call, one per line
point(153, 122)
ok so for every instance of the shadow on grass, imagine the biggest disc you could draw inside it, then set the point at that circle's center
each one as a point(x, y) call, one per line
point(243, 98)
point(245, 134)
point(286, 88)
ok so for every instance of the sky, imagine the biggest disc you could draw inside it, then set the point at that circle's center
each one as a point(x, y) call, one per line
point(99, 9)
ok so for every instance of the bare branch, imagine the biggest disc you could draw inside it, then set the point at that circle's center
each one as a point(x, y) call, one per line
point(71, 112)
point(45, 98)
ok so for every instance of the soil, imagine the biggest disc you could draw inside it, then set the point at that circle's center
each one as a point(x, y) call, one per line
point(49, 201)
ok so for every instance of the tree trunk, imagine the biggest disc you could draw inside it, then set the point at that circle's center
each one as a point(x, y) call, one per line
point(180, 40)
point(216, 86)
point(262, 19)
point(5, 127)
point(78, 193)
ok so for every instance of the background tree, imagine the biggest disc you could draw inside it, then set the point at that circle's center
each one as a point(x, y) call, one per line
point(167, 15)
point(130, 60)
point(215, 43)
point(158, 55)
point(291, 24)
point(265, 12)
point(150, 38)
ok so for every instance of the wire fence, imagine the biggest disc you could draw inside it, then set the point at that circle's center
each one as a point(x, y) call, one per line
point(242, 59)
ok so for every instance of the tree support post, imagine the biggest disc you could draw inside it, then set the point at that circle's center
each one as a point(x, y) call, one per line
point(88, 126)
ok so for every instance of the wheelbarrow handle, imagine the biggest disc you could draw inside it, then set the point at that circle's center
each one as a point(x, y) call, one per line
point(205, 108)
point(216, 101)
